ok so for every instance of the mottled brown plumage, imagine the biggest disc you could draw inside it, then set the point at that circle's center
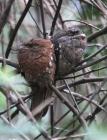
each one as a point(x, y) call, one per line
point(70, 44)
point(36, 60)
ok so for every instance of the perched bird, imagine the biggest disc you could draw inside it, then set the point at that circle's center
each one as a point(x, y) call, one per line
point(36, 60)
point(41, 60)
point(69, 48)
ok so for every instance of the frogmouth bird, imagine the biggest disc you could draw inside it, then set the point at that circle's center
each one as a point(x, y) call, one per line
point(41, 60)
point(69, 48)
point(36, 60)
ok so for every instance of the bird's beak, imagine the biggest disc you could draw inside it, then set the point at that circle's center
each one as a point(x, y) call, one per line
point(83, 36)
point(80, 36)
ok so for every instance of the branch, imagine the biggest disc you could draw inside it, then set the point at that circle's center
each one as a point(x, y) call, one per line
point(92, 55)
point(83, 22)
point(83, 74)
point(43, 105)
point(5, 15)
point(55, 17)
point(17, 27)
point(15, 65)
point(84, 66)
point(83, 81)
point(97, 34)
point(97, 110)
point(71, 137)
point(90, 64)
point(70, 106)
point(88, 100)
point(28, 112)
point(42, 17)
point(60, 17)
point(34, 20)
point(17, 103)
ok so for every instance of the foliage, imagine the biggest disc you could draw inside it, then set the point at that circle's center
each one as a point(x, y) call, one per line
point(80, 108)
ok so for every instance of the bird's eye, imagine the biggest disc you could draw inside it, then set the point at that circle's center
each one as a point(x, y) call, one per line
point(76, 32)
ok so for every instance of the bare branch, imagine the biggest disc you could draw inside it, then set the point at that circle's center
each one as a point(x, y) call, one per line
point(70, 106)
point(42, 17)
point(17, 27)
point(4, 16)
point(15, 65)
point(97, 34)
point(55, 17)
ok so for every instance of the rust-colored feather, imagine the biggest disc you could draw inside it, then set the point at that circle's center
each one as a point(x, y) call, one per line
point(36, 60)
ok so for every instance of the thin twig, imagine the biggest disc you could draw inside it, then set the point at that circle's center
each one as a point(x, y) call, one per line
point(29, 114)
point(60, 17)
point(92, 55)
point(92, 97)
point(88, 100)
point(43, 105)
point(97, 34)
point(52, 118)
point(17, 27)
point(83, 74)
point(55, 123)
point(34, 20)
point(97, 110)
point(4, 16)
point(83, 81)
point(86, 106)
point(15, 105)
point(83, 22)
point(71, 137)
point(15, 65)
point(73, 98)
point(42, 17)
point(70, 106)
point(55, 17)
point(89, 64)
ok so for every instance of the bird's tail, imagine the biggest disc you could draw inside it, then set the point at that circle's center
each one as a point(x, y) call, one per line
point(39, 94)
